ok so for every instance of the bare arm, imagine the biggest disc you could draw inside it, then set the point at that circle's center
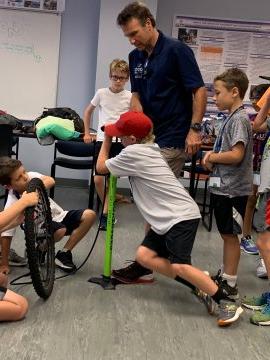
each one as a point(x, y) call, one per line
point(104, 155)
point(193, 140)
point(135, 103)
point(260, 120)
point(48, 181)
point(87, 121)
point(232, 157)
point(12, 216)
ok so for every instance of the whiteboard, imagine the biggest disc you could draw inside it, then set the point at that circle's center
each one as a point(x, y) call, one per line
point(29, 52)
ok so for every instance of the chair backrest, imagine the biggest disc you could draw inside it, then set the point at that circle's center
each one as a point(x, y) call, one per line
point(75, 148)
point(6, 140)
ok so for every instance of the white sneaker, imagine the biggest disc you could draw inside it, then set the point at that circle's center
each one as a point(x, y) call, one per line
point(261, 269)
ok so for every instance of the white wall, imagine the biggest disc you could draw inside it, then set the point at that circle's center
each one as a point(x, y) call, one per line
point(76, 78)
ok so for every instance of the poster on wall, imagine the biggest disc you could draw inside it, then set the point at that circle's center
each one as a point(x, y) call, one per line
point(41, 5)
point(219, 44)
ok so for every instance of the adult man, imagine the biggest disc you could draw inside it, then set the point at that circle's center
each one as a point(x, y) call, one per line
point(166, 84)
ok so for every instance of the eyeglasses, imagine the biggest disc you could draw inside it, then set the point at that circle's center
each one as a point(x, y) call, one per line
point(120, 78)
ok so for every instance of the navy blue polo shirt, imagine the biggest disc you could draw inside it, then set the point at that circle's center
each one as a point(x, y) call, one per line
point(165, 82)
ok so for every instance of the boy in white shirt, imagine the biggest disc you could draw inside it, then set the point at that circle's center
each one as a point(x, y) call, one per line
point(75, 223)
point(111, 102)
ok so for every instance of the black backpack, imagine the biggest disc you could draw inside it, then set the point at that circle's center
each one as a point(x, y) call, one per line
point(11, 120)
point(64, 113)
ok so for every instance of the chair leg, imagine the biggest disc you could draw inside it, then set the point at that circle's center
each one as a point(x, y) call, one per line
point(53, 176)
point(91, 192)
point(211, 210)
point(204, 198)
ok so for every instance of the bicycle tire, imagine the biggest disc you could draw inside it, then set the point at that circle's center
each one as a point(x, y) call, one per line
point(39, 241)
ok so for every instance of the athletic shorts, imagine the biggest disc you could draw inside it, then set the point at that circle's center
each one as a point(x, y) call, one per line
point(71, 221)
point(176, 245)
point(261, 220)
point(175, 158)
point(229, 213)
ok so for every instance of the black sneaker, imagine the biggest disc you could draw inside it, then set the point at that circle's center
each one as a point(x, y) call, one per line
point(230, 292)
point(217, 278)
point(134, 274)
point(63, 260)
point(103, 222)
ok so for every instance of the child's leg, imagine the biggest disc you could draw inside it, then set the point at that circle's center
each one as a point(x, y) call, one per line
point(231, 253)
point(99, 184)
point(5, 248)
point(251, 204)
point(86, 221)
point(263, 243)
point(229, 214)
point(150, 259)
point(13, 307)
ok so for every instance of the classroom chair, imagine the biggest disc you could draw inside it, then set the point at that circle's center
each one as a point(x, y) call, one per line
point(202, 175)
point(75, 150)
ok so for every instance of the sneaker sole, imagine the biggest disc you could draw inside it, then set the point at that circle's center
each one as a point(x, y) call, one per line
point(249, 252)
point(253, 307)
point(17, 264)
point(260, 323)
point(63, 267)
point(143, 280)
point(262, 276)
point(232, 320)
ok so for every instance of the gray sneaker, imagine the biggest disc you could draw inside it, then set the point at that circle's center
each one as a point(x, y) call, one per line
point(15, 259)
point(207, 300)
point(229, 312)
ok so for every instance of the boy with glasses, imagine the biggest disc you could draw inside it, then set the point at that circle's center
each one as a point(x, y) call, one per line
point(112, 101)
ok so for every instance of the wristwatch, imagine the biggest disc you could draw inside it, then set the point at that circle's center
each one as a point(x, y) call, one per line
point(196, 126)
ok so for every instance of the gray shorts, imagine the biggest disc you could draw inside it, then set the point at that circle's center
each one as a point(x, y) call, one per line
point(261, 219)
point(175, 158)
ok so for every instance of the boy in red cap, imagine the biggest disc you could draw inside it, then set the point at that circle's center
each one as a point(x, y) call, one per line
point(168, 208)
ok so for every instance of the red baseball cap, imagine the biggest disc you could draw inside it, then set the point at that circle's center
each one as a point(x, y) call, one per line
point(130, 123)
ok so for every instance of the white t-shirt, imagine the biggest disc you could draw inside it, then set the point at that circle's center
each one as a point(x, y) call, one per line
point(58, 213)
point(111, 105)
point(161, 199)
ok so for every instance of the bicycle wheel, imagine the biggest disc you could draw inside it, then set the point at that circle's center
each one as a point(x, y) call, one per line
point(39, 241)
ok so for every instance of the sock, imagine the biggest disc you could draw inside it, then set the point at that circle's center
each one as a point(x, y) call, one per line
point(64, 249)
point(231, 279)
point(220, 295)
point(185, 282)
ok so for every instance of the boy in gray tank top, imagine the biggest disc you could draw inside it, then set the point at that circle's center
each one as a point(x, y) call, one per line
point(167, 207)
point(231, 165)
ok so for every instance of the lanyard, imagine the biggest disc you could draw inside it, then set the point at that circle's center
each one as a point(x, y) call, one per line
point(218, 142)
